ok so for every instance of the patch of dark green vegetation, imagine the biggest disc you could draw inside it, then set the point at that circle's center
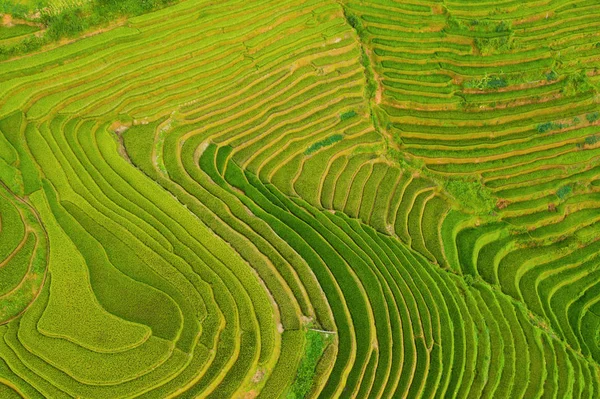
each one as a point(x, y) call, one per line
point(564, 191)
point(488, 82)
point(323, 143)
point(498, 80)
point(313, 350)
point(548, 126)
point(591, 140)
point(489, 36)
point(348, 115)
point(72, 22)
point(15, 9)
point(592, 117)
point(356, 23)
point(377, 116)
point(552, 76)
point(371, 84)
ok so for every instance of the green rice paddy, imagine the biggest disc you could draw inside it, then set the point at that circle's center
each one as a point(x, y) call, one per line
point(300, 199)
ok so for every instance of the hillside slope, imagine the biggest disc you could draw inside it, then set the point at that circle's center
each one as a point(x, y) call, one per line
point(305, 199)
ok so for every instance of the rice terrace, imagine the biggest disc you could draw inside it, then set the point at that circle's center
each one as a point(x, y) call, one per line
point(299, 199)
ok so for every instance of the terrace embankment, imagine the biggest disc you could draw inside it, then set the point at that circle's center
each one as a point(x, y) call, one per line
point(319, 199)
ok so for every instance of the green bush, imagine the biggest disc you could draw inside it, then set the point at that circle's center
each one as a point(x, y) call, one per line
point(551, 76)
point(471, 195)
point(545, 127)
point(348, 115)
point(593, 117)
point(324, 143)
point(68, 23)
point(71, 22)
point(564, 191)
point(371, 84)
point(497, 82)
point(356, 23)
point(503, 27)
point(27, 45)
point(17, 9)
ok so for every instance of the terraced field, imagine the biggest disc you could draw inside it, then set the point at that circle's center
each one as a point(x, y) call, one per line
point(302, 199)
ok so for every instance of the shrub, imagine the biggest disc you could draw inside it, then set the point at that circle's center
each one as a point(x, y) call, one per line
point(503, 27)
point(68, 23)
point(323, 143)
point(545, 127)
point(356, 23)
point(591, 140)
point(497, 82)
point(371, 84)
point(348, 115)
point(551, 76)
point(564, 191)
point(593, 117)
point(14, 8)
point(489, 82)
point(29, 44)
